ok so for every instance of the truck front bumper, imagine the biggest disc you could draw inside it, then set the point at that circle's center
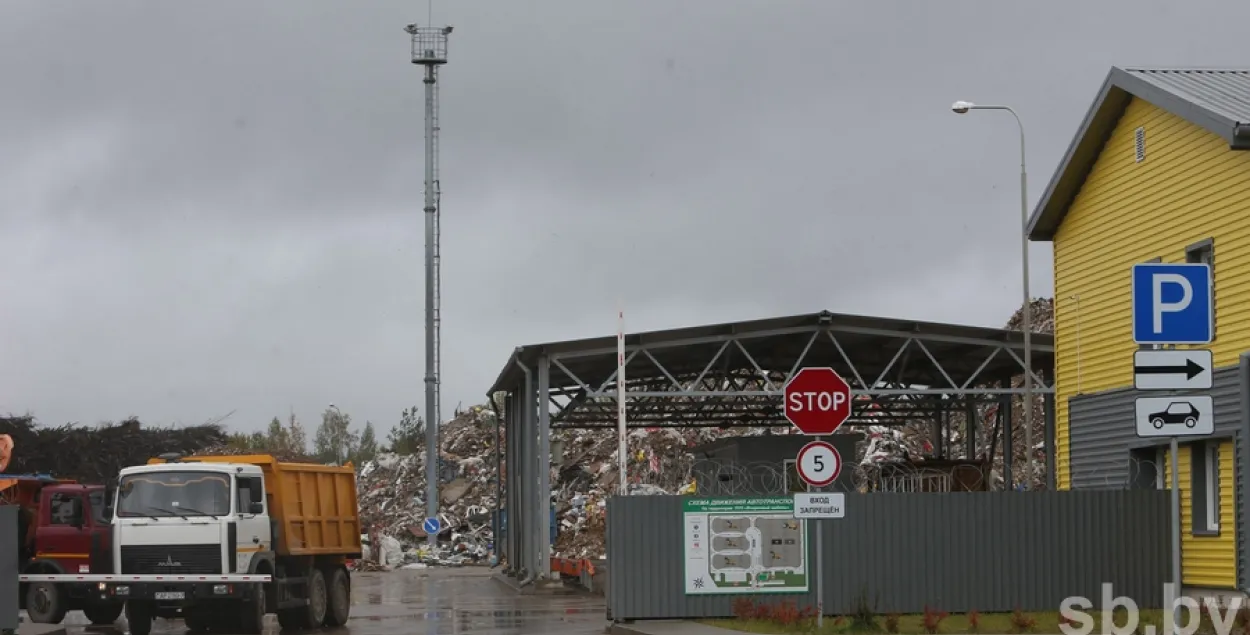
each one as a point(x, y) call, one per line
point(179, 592)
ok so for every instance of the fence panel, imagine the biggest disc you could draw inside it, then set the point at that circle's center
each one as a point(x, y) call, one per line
point(988, 551)
point(8, 567)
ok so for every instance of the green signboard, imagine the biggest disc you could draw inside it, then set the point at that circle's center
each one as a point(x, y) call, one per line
point(744, 545)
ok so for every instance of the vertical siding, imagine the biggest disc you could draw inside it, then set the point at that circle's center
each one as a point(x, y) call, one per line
point(989, 551)
point(1206, 561)
point(1103, 432)
point(1190, 187)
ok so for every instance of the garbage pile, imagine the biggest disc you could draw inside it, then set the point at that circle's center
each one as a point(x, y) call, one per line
point(391, 492)
point(392, 487)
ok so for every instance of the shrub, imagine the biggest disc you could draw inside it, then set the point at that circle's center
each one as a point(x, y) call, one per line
point(785, 613)
point(744, 608)
point(1022, 622)
point(932, 619)
point(891, 623)
point(865, 616)
point(974, 621)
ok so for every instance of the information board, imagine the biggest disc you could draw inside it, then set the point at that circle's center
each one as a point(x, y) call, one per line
point(744, 545)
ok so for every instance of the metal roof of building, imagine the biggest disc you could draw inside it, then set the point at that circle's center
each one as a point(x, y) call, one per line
point(1215, 99)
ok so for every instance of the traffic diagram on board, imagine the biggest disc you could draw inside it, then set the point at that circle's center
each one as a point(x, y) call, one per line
point(744, 546)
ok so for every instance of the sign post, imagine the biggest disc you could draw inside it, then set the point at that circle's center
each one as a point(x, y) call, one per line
point(818, 402)
point(1172, 304)
point(819, 464)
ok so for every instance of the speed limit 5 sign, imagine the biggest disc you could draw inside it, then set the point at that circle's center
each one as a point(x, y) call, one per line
point(819, 463)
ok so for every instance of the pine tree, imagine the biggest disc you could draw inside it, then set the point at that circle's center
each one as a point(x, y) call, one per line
point(409, 436)
point(335, 441)
point(367, 445)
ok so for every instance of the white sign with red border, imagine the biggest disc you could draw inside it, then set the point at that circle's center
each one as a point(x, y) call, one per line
point(819, 463)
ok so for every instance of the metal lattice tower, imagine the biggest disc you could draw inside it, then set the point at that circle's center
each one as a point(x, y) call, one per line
point(429, 49)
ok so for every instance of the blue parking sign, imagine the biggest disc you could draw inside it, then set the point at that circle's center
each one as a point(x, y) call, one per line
point(1172, 304)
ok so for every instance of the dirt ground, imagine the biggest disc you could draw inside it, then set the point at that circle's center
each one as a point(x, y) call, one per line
point(460, 601)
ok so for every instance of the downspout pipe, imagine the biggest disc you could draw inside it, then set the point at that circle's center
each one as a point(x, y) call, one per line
point(530, 576)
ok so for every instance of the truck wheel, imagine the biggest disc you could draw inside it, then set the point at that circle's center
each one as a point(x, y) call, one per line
point(196, 619)
point(103, 614)
point(339, 605)
point(291, 619)
point(315, 612)
point(46, 603)
point(253, 613)
point(139, 618)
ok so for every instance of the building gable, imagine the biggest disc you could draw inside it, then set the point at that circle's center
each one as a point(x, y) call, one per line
point(1216, 100)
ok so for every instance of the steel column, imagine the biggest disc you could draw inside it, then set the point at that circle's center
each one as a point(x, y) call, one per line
point(1009, 444)
point(542, 509)
point(1048, 403)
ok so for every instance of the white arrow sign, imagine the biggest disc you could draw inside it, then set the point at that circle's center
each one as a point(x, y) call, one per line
point(1172, 370)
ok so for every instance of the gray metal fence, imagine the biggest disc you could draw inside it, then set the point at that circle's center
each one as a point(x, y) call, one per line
point(988, 551)
point(8, 567)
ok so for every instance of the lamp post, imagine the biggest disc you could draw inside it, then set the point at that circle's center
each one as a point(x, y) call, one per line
point(963, 107)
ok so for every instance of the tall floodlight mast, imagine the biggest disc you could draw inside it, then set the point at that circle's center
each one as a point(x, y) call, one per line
point(429, 50)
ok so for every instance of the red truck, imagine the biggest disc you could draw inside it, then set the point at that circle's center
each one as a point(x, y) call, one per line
point(64, 529)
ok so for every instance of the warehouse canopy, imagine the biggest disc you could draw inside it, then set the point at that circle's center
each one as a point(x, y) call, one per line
point(733, 374)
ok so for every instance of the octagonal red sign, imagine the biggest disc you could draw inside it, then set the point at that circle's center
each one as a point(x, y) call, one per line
point(817, 400)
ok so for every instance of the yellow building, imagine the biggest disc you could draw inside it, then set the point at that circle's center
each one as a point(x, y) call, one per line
point(1157, 172)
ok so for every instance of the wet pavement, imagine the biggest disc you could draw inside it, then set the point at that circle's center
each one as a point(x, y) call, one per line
point(460, 601)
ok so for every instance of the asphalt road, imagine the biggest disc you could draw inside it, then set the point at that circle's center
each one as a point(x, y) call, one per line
point(461, 601)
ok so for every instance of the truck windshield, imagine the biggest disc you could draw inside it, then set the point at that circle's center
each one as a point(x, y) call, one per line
point(163, 494)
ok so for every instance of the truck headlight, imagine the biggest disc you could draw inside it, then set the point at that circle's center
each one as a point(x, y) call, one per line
point(121, 590)
point(221, 589)
point(101, 586)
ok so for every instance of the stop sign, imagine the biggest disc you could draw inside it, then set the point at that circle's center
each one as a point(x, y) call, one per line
point(818, 400)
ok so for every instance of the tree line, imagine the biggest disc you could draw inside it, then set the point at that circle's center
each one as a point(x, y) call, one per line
point(335, 440)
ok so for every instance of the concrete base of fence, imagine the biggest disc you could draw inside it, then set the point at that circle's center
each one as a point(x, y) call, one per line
point(28, 628)
point(542, 587)
point(667, 627)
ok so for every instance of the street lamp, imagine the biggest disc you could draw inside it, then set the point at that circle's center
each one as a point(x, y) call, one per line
point(963, 107)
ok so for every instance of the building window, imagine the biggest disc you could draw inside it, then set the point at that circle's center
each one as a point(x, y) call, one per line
point(1205, 477)
point(62, 508)
point(1203, 251)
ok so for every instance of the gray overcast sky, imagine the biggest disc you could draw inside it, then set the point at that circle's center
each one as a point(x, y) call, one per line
point(212, 206)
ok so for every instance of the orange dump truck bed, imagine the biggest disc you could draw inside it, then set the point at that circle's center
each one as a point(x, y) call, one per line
point(313, 506)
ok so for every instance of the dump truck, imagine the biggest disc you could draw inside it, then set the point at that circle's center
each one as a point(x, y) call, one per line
point(62, 528)
point(221, 541)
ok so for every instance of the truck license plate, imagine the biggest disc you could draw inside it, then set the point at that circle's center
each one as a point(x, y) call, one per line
point(170, 595)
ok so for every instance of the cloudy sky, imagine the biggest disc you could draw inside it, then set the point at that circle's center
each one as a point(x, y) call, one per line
point(214, 207)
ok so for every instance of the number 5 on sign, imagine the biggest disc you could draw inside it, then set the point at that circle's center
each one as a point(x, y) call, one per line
point(819, 463)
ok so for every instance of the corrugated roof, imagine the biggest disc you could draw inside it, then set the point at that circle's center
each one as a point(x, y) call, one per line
point(1215, 99)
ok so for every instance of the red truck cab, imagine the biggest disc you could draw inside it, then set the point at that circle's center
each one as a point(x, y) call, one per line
point(66, 530)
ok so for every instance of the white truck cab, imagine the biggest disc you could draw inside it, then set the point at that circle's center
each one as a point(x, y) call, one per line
point(189, 518)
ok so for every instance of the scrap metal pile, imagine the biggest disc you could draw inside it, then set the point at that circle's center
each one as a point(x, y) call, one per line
point(391, 491)
point(392, 488)
point(96, 454)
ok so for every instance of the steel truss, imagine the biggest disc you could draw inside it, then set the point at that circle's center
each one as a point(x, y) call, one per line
point(729, 385)
point(733, 375)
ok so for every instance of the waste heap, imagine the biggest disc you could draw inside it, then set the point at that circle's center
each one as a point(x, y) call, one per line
point(392, 488)
point(391, 491)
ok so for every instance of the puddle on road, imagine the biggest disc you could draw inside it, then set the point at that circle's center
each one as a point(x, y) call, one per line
point(431, 602)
